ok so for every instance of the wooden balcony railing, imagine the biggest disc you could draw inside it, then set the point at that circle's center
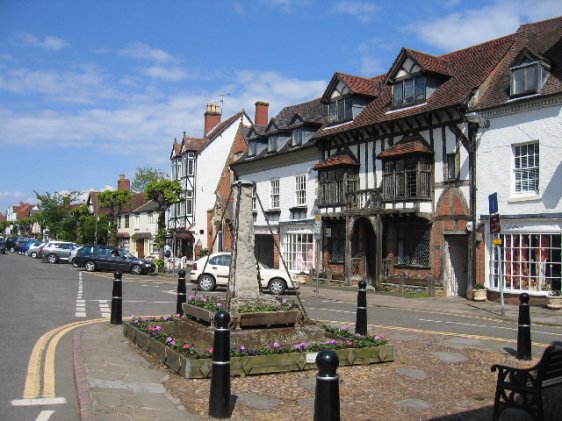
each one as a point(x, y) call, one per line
point(364, 199)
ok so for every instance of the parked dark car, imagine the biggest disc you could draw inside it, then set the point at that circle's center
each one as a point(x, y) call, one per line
point(22, 244)
point(11, 243)
point(2, 246)
point(94, 258)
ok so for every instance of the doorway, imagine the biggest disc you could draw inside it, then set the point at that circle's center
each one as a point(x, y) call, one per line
point(140, 248)
point(456, 265)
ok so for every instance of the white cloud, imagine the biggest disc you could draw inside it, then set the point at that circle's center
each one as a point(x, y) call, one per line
point(47, 43)
point(146, 52)
point(461, 29)
point(165, 73)
point(80, 85)
point(363, 11)
point(287, 6)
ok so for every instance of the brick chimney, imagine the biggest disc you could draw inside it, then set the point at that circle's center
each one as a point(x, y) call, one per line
point(212, 117)
point(262, 110)
point(123, 183)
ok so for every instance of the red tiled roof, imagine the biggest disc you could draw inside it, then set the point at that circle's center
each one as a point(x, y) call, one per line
point(192, 144)
point(405, 148)
point(336, 160)
point(428, 62)
point(23, 210)
point(467, 68)
point(360, 85)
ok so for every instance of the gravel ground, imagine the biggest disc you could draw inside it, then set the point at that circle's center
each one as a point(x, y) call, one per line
point(427, 381)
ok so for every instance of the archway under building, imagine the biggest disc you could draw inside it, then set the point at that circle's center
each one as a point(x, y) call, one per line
point(364, 251)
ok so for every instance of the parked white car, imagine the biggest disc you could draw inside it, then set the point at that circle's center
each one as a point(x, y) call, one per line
point(217, 270)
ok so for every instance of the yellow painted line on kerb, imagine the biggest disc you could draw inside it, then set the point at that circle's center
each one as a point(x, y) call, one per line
point(442, 333)
point(32, 388)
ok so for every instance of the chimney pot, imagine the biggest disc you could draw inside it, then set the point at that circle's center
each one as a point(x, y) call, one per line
point(262, 111)
point(212, 117)
point(123, 183)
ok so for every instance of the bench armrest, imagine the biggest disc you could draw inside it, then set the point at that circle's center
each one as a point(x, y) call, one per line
point(517, 377)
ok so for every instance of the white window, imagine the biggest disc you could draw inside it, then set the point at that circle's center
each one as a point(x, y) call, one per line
point(525, 78)
point(274, 194)
point(299, 252)
point(151, 218)
point(137, 222)
point(190, 163)
point(526, 168)
point(179, 170)
point(300, 189)
point(189, 202)
point(526, 262)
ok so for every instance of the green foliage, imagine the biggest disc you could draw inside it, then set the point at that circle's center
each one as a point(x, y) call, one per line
point(114, 201)
point(144, 176)
point(164, 193)
point(479, 286)
point(204, 252)
point(159, 264)
point(55, 214)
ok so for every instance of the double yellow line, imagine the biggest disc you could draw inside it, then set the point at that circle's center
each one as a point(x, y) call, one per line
point(40, 379)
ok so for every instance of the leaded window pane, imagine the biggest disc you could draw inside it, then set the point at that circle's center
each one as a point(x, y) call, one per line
point(420, 88)
point(397, 93)
point(409, 90)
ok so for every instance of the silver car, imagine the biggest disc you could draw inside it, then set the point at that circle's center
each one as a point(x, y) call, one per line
point(33, 249)
point(55, 251)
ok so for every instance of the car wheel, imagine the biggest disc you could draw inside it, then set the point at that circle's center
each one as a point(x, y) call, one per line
point(136, 270)
point(12, 249)
point(76, 265)
point(34, 255)
point(206, 283)
point(52, 258)
point(90, 266)
point(277, 286)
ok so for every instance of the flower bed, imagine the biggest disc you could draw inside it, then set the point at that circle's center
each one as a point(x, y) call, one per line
point(190, 362)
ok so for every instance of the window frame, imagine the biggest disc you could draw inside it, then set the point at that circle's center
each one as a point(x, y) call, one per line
point(409, 239)
point(335, 183)
point(398, 176)
point(300, 190)
point(274, 188)
point(517, 185)
point(525, 88)
point(419, 94)
point(340, 109)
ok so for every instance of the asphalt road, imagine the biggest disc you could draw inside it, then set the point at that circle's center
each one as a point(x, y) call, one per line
point(37, 297)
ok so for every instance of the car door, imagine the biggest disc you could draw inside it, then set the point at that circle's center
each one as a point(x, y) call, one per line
point(222, 266)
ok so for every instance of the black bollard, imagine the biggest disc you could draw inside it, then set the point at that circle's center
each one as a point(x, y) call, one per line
point(117, 300)
point(219, 399)
point(181, 292)
point(524, 329)
point(361, 314)
point(327, 398)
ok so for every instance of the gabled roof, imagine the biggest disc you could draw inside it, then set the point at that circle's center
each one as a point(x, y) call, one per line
point(468, 68)
point(543, 40)
point(428, 63)
point(337, 161)
point(313, 111)
point(149, 206)
point(136, 201)
point(356, 84)
point(192, 144)
point(405, 147)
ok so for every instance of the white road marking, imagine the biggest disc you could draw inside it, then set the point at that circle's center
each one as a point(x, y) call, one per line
point(44, 415)
point(38, 401)
point(80, 310)
point(487, 326)
point(104, 308)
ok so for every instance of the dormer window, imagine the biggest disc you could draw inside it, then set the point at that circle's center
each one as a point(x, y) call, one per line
point(527, 75)
point(252, 147)
point(300, 136)
point(340, 109)
point(409, 91)
point(272, 143)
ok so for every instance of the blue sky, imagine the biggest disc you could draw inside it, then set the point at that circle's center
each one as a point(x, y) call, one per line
point(96, 88)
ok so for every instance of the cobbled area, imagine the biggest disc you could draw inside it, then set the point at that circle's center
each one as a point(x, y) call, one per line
point(427, 381)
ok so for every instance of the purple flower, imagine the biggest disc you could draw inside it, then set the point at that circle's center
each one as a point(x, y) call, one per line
point(242, 348)
point(276, 345)
point(219, 305)
point(379, 337)
point(170, 341)
point(301, 346)
point(344, 327)
point(165, 318)
point(331, 342)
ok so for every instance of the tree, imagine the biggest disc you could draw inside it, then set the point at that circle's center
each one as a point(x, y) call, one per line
point(164, 193)
point(144, 176)
point(55, 212)
point(114, 200)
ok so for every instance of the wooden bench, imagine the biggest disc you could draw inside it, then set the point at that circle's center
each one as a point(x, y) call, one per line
point(522, 388)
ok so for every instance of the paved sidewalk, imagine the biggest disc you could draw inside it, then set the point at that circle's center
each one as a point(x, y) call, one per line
point(115, 383)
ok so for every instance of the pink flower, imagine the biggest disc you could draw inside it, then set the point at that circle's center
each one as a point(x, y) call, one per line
point(185, 346)
point(276, 345)
point(210, 350)
point(178, 316)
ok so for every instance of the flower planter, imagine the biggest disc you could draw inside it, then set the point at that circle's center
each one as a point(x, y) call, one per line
point(268, 319)
point(554, 302)
point(198, 313)
point(198, 368)
point(479, 294)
